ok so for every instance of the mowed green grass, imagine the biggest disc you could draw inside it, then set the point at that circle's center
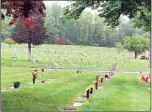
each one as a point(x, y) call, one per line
point(122, 92)
point(50, 96)
point(96, 58)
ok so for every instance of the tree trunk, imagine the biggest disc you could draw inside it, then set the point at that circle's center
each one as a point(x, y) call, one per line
point(29, 51)
point(136, 55)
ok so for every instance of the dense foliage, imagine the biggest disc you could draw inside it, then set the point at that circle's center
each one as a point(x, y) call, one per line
point(35, 36)
point(111, 10)
point(136, 44)
point(88, 29)
point(22, 8)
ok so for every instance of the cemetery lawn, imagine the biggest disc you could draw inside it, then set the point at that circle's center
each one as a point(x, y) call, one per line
point(124, 91)
point(121, 92)
point(94, 58)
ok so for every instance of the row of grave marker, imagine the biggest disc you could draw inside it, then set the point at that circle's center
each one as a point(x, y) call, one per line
point(89, 90)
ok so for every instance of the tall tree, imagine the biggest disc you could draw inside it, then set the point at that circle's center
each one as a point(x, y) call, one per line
point(33, 36)
point(52, 24)
point(86, 28)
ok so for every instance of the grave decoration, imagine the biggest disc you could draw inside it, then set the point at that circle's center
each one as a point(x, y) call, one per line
point(79, 70)
point(42, 70)
point(91, 89)
point(106, 76)
point(60, 41)
point(37, 61)
point(143, 57)
point(34, 75)
point(96, 85)
point(97, 78)
point(13, 57)
point(102, 80)
point(43, 81)
point(16, 84)
point(111, 73)
point(144, 78)
point(87, 92)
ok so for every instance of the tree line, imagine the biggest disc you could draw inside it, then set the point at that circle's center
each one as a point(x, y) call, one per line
point(89, 29)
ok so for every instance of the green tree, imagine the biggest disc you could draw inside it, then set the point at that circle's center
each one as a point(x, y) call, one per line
point(9, 41)
point(6, 30)
point(52, 24)
point(136, 44)
point(86, 28)
point(111, 10)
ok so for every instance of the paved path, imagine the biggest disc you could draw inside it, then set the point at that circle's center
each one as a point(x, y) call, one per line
point(70, 69)
point(89, 70)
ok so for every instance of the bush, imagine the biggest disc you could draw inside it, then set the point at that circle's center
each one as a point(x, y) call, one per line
point(60, 41)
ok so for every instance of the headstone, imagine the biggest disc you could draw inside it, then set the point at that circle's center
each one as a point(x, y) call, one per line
point(147, 54)
point(113, 67)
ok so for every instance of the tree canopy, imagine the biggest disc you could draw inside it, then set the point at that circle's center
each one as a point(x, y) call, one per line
point(136, 44)
point(35, 36)
point(111, 10)
point(88, 29)
point(22, 8)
